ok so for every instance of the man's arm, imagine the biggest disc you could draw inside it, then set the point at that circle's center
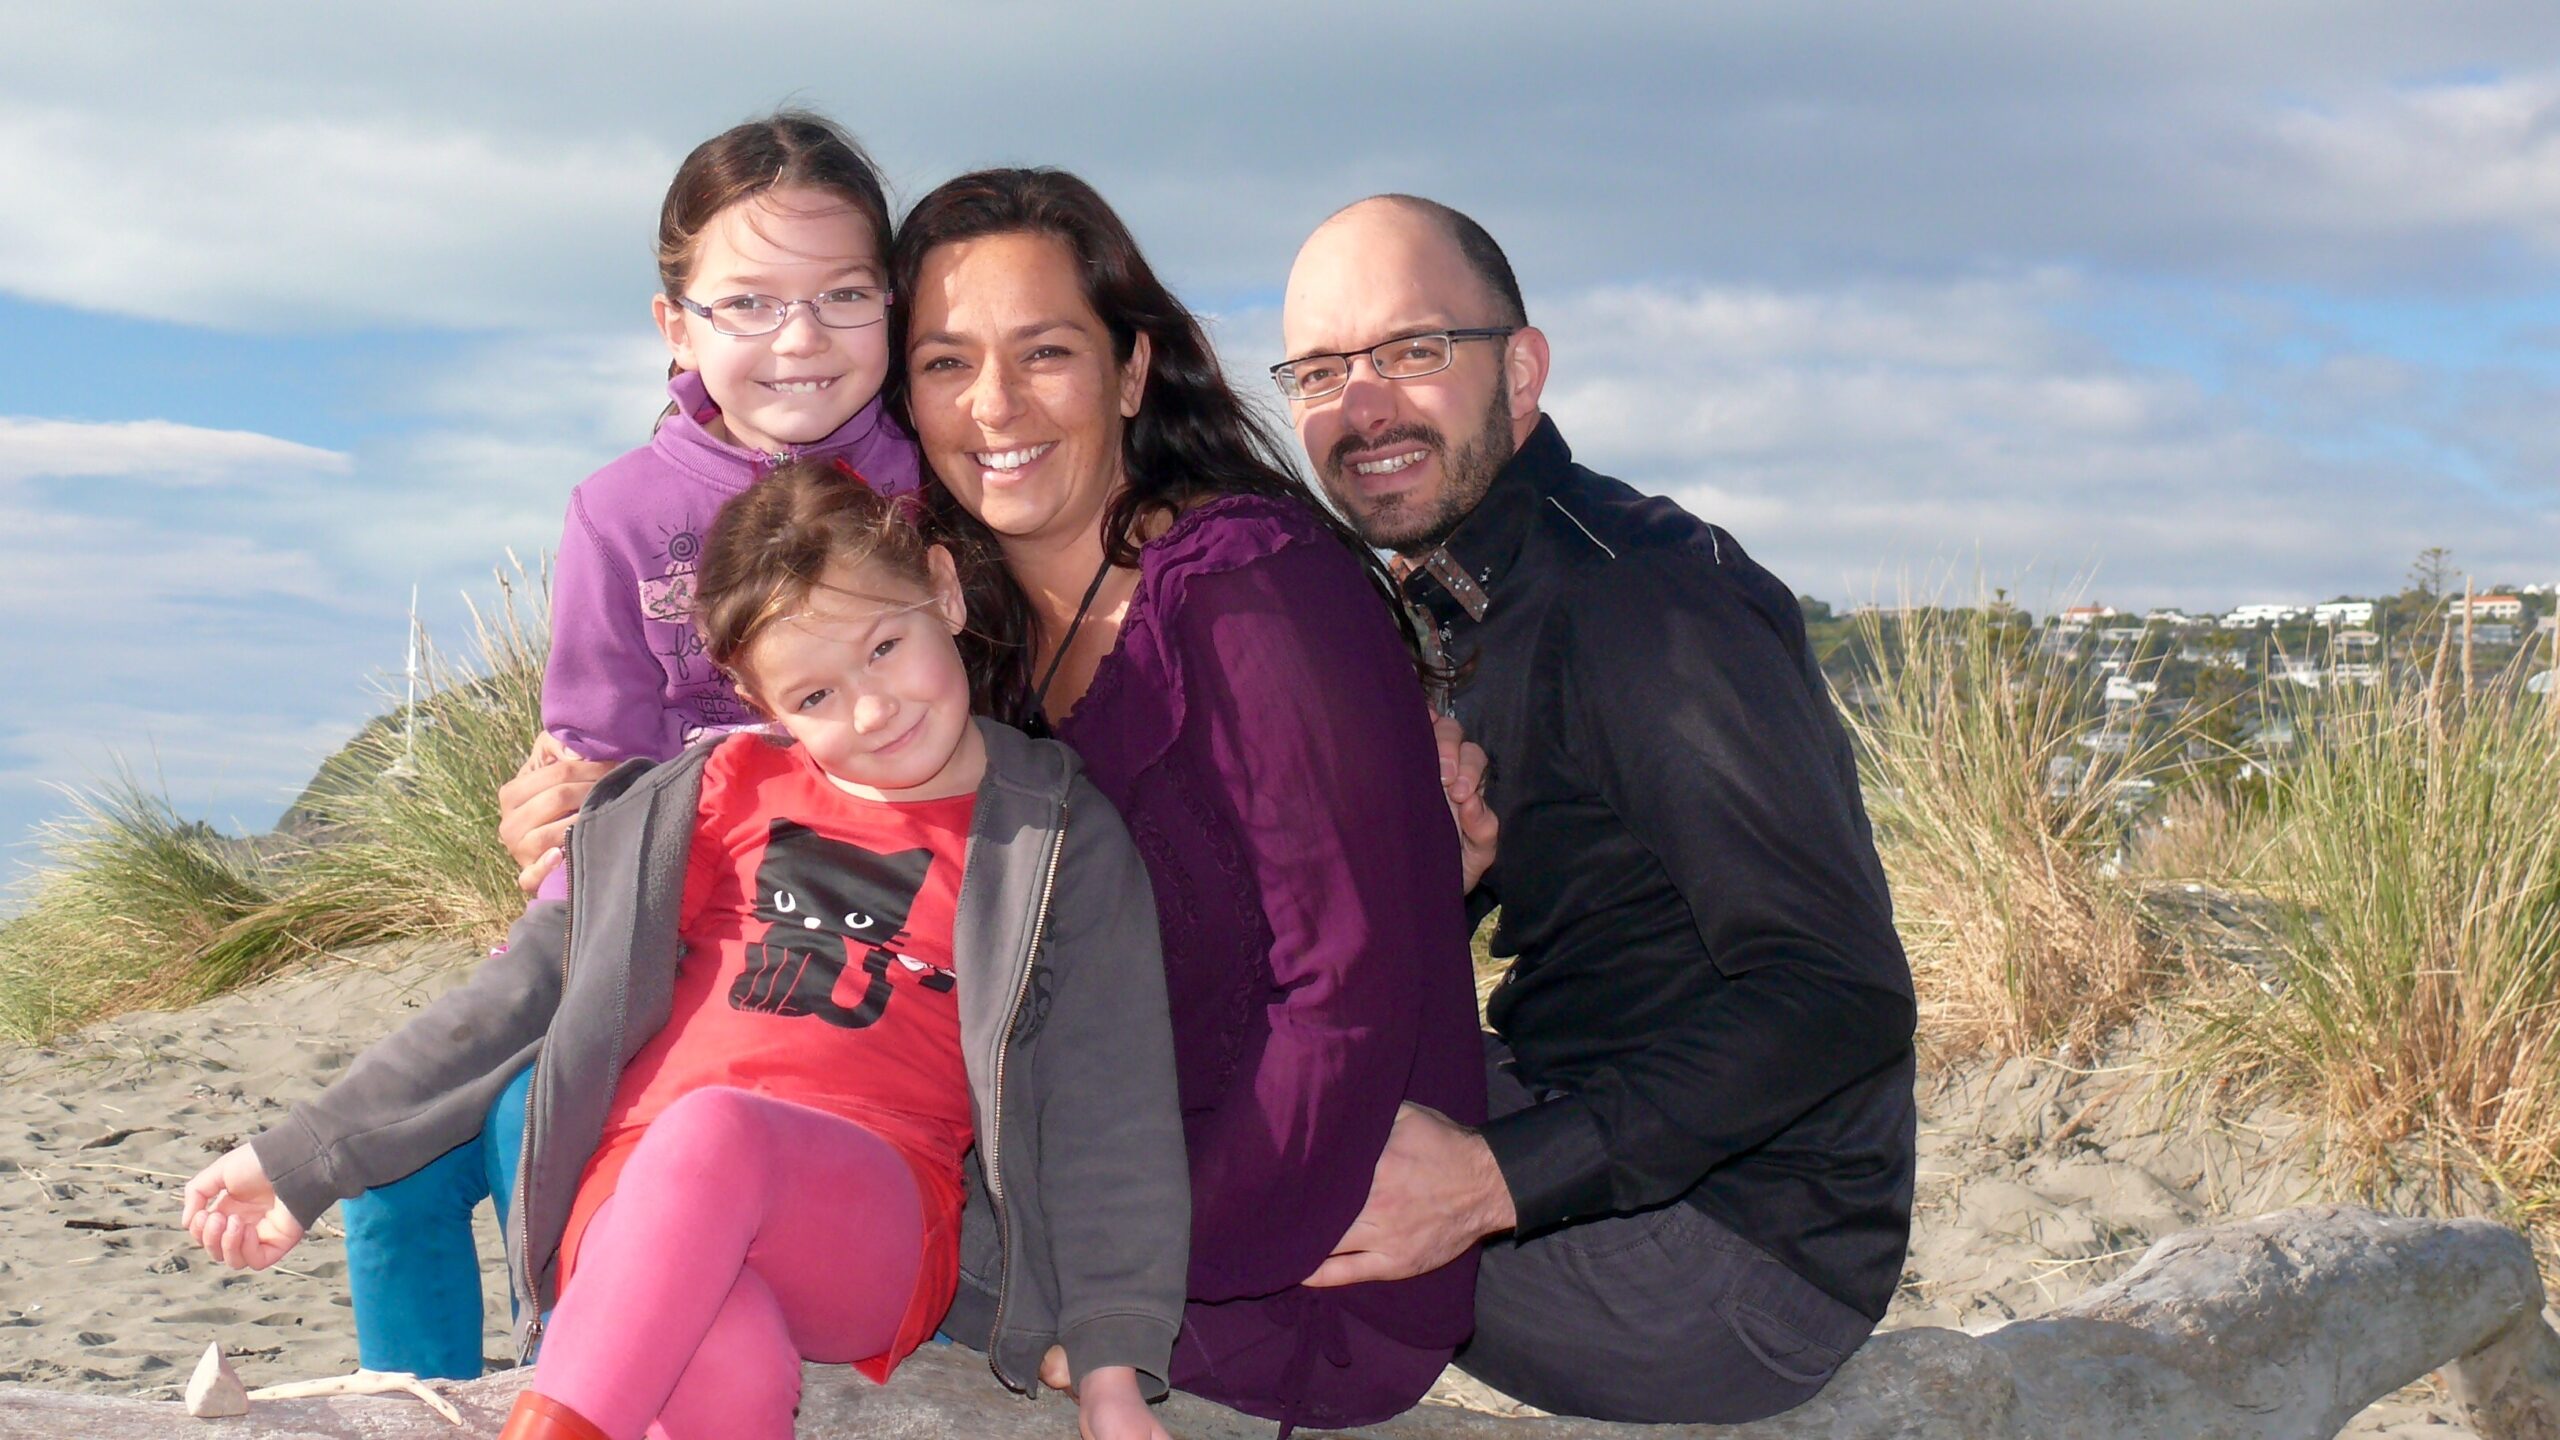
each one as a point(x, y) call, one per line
point(1694, 711)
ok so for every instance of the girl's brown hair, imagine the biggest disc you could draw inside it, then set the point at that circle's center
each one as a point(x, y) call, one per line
point(788, 149)
point(771, 547)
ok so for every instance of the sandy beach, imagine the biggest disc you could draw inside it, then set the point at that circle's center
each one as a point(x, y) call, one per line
point(2038, 1180)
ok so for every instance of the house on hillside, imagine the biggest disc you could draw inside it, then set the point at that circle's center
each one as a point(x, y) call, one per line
point(2355, 657)
point(2493, 607)
point(2081, 617)
point(2249, 617)
point(2358, 613)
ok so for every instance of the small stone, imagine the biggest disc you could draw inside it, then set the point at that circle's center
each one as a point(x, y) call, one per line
point(215, 1389)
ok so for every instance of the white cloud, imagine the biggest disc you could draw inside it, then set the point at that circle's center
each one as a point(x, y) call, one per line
point(2410, 161)
point(269, 220)
point(1848, 436)
point(236, 767)
point(384, 168)
point(154, 451)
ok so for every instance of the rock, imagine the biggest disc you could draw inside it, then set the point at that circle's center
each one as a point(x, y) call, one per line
point(215, 1389)
point(2280, 1328)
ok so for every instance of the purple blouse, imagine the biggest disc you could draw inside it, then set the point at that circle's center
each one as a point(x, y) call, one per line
point(1260, 727)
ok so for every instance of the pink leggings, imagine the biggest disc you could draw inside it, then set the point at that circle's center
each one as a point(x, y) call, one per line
point(745, 1234)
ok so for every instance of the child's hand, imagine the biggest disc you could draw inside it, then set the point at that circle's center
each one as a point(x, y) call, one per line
point(535, 808)
point(234, 1214)
point(1108, 1407)
point(1462, 779)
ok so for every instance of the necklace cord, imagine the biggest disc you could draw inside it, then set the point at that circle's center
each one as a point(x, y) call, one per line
point(1040, 695)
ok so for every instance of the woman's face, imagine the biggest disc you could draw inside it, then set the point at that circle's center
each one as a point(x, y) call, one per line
point(1018, 400)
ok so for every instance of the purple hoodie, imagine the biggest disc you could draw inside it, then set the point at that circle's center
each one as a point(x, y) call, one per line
point(627, 674)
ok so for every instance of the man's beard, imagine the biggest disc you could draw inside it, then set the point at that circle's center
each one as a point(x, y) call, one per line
point(1411, 524)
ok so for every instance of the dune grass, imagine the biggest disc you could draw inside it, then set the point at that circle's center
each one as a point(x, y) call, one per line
point(407, 815)
point(1996, 823)
point(134, 908)
point(127, 912)
point(2413, 850)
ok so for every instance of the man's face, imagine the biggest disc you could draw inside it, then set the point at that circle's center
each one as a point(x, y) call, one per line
point(1405, 460)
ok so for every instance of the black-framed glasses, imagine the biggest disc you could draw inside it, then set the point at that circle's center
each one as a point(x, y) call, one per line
point(1407, 357)
point(747, 316)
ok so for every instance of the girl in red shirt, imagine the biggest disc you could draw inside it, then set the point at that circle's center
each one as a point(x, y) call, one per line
point(779, 1176)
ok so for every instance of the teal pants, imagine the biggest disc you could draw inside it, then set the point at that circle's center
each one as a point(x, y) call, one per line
point(412, 1269)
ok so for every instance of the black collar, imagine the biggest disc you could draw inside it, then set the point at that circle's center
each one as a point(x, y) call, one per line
point(1485, 547)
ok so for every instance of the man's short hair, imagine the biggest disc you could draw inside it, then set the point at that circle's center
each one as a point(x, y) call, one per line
point(1477, 247)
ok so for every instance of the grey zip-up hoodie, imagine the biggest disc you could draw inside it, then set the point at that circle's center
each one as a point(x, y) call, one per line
point(1062, 1024)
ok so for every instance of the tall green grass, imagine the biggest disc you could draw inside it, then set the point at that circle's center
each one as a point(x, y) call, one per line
point(407, 814)
point(2414, 849)
point(128, 911)
point(1994, 822)
point(396, 838)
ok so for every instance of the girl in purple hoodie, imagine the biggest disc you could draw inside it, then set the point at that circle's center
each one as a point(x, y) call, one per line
point(772, 250)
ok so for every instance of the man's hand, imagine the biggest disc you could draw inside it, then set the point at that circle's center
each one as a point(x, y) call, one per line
point(1462, 767)
point(535, 808)
point(1437, 1191)
point(233, 1212)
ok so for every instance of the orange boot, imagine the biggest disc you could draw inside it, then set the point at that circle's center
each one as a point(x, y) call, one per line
point(539, 1417)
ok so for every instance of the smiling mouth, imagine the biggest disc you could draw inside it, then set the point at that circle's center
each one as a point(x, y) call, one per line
point(799, 387)
point(1390, 464)
point(1010, 459)
point(903, 737)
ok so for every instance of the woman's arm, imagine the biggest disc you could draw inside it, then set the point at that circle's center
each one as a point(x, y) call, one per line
point(1316, 725)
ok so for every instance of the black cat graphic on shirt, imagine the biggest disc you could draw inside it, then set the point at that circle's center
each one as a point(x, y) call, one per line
point(827, 899)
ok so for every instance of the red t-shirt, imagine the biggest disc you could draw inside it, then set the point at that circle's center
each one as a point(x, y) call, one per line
point(816, 969)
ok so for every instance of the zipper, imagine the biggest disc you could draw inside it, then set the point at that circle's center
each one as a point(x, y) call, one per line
point(1004, 1046)
point(524, 1152)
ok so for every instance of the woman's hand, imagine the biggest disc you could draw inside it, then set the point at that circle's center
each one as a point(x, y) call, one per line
point(1108, 1407)
point(1462, 778)
point(535, 808)
point(232, 1211)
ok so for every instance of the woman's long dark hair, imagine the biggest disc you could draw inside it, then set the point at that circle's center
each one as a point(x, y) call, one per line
point(1193, 437)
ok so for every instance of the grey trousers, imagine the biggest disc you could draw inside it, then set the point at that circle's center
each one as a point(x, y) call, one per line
point(1660, 1316)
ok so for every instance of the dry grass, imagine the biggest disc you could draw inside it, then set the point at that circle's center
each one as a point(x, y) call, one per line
point(135, 908)
point(129, 904)
point(2417, 989)
point(2018, 939)
point(410, 813)
point(2207, 834)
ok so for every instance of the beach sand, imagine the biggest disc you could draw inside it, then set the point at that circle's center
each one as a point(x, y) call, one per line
point(99, 1288)
point(2038, 1180)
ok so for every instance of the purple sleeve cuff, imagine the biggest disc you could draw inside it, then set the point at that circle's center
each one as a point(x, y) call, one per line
point(1552, 1161)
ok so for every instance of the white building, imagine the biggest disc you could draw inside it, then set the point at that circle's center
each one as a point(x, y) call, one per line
point(2250, 616)
point(2358, 613)
point(2493, 607)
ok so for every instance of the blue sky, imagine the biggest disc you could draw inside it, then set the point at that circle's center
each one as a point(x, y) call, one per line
point(2206, 304)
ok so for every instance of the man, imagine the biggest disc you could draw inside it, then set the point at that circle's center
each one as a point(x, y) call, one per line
point(1697, 1180)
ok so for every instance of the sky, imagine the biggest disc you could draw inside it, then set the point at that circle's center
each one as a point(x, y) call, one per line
point(2149, 303)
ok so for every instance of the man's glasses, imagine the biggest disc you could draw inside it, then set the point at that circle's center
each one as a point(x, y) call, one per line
point(747, 316)
point(1410, 357)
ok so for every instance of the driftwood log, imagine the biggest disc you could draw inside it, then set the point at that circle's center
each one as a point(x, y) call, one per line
point(2279, 1328)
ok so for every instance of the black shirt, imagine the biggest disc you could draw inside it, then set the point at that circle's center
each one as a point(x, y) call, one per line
point(1707, 991)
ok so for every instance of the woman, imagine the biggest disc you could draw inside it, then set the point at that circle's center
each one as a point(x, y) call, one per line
point(1223, 657)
